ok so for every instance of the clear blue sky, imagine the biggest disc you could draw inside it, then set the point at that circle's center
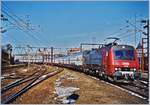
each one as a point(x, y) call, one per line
point(67, 24)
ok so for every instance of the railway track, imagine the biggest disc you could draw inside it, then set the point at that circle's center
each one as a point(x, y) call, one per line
point(19, 82)
point(144, 82)
point(30, 82)
point(138, 88)
point(135, 88)
point(13, 66)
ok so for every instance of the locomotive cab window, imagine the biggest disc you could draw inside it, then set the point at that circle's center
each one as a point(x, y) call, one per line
point(124, 54)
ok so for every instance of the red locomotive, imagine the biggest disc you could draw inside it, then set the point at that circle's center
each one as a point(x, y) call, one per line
point(119, 62)
point(112, 61)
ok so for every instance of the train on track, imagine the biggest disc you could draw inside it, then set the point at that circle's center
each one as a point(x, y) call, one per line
point(110, 61)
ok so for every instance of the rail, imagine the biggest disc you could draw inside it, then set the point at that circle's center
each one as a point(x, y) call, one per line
point(38, 79)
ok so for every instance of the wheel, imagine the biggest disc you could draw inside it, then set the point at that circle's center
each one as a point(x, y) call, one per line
point(105, 77)
point(115, 78)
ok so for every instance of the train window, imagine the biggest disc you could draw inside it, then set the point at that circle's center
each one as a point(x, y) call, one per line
point(124, 54)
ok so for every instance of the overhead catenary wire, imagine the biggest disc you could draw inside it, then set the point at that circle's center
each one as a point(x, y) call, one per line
point(15, 40)
point(135, 26)
point(22, 27)
point(21, 20)
point(118, 31)
point(23, 30)
point(129, 33)
point(112, 34)
point(24, 24)
point(124, 34)
point(27, 29)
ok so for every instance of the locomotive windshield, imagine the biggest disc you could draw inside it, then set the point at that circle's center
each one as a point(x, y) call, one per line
point(123, 54)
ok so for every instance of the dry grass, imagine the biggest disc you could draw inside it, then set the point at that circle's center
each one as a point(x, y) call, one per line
point(91, 91)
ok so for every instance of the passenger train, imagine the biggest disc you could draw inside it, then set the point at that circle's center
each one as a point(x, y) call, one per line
point(111, 61)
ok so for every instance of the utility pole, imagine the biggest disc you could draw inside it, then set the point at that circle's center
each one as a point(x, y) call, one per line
point(81, 48)
point(142, 62)
point(44, 57)
point(93, 41)
point(147, 34)
point(28, 21)
point(28, 49)
point(135, 29)
point(147, 26)
point(52, 55)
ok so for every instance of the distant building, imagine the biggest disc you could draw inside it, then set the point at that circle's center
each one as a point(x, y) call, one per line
point(73, 50)
point(7, 57)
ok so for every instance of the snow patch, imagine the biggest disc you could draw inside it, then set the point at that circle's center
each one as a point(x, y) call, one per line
point(2, 77)
point(43, 76)
point(13, 73)
point(68, 101)
point(25, 70)
point(65, 93)
point(57, 83)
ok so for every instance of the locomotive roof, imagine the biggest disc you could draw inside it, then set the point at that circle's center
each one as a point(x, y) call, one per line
point(117, 46)
point(124, 45)
point(120, 46)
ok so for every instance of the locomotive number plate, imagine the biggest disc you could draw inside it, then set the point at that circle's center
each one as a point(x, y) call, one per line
point(125, 63)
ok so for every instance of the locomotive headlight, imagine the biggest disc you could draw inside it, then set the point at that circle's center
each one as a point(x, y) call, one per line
point(116, 69)
point(134, 69)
